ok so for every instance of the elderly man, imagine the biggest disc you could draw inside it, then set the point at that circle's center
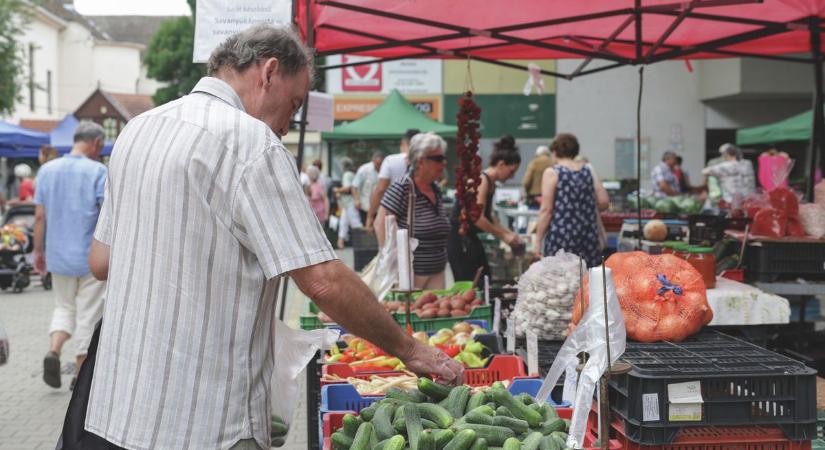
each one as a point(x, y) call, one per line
point(204, 214)
point(663, 180)
point(532, 176)
point(69, 195)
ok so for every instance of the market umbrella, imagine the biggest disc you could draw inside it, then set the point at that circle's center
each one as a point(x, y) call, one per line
point(19, 142)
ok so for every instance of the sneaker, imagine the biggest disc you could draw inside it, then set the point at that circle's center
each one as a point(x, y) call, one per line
point(51, 369)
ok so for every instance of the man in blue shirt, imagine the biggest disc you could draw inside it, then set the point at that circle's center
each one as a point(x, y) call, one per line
point(68, 196)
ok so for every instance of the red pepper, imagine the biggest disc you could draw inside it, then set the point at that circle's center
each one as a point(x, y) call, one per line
point(452, 350)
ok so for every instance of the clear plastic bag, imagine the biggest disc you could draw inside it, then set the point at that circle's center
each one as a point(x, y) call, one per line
point(382, 271)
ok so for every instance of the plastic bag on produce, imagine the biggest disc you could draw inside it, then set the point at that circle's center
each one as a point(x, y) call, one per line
point(770, 222)
point(662, 297)
point(293, 351)
point(545, 296)
point(754, 202)
point(819, 193)
point(589, 337)
point(812, 216)
point(382, 271)
point(785, 200)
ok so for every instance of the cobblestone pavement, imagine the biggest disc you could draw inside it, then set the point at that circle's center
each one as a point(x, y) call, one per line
point(31, 413)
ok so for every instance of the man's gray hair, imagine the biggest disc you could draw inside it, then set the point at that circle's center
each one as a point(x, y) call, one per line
point(421, 142)
point(668, 154)
point(242, 50)
point(543, 150)
point(88, 131)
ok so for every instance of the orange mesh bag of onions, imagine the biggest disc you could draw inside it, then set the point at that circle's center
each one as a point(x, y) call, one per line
point(662, 296)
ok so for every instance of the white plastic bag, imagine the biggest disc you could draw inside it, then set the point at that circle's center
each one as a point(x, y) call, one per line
point(589, 336)
point(382, 272)
point(293, 351)
point(812, 217)
point(4, 345)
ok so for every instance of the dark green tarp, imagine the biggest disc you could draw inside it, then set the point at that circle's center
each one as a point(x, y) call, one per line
point(795, 128)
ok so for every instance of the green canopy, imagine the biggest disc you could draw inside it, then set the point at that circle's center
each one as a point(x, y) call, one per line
point(390, 120)
point(795, 128)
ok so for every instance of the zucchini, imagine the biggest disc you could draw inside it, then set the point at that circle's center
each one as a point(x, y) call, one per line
point(526, 398)
point(411, 396)
point(361, 440)
point(494, 435)
point(531, 442)
point(456, 402)
point(414, 427)
point(511, 444)
point(517, 425)
point(552, 426)
point(340, 441)
point(442, 438)
point(383, 422)
point(463, 440)
point(477, 417)
point(426, 441)
point(519, 409)
point(548, 443)
point(476, 400)
point(503, 411)
point(479, 444)
point(438, 415)
point(351, 424)
point(434, 390)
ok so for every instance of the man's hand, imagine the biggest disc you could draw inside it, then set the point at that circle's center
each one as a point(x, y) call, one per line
point(425, 360)
point(40, 263)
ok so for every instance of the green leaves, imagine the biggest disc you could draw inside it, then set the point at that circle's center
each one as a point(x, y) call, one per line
point(13, 21)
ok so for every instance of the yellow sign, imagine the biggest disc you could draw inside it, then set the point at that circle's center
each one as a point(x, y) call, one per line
point(353, 108)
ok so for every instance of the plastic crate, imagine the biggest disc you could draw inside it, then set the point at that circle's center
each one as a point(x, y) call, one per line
point(742, 384)
point(481, 312)
point(459, 287)
point(708, 229)
point(547, 351)
point(770, 261)
point(820, 424)
point(717, 438)
point(817, 444)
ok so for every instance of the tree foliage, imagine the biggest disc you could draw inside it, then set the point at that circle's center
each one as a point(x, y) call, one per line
point(13, 21)
point(169, 58)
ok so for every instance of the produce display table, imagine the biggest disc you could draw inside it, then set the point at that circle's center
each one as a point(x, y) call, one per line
point(735, 303)
point(798, 291)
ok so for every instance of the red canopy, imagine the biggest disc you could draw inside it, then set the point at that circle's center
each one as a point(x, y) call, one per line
point(541, 29)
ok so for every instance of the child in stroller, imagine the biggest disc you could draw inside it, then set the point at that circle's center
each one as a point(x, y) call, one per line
point(16, 245)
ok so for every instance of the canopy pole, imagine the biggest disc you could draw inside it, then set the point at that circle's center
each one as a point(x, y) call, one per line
point(818, 129)
point(639, 157)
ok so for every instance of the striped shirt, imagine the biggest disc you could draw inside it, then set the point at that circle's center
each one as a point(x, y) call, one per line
point(203, 213)
point(431, 225)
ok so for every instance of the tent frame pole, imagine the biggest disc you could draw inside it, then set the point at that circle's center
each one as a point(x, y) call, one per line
point(814, 157)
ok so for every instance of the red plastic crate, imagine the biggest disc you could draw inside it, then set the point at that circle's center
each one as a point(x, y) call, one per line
point(334, 420)
point(500, 368)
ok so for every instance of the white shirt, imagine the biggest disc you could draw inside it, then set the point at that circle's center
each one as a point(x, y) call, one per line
point(736, 179)
point(203, 214)
point(365, 180)
point(394, 167)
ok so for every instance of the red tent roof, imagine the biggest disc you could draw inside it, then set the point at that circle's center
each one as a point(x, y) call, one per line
point(542, 29)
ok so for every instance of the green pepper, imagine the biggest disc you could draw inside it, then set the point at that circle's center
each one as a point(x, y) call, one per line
point(474, 347)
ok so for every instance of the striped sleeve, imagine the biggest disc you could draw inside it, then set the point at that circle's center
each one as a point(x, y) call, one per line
point(103, 230)
point(272, 218)
point(395, 199)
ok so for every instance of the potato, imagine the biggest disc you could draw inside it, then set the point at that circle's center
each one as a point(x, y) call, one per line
point(444, 313)
point(469, 295)
point(427, 314)
point(463, 327)
point(476, 302)
point(427, 297)
point(457, 303)
point(457, 313)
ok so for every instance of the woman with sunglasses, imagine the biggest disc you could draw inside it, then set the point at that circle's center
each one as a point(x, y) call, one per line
point(431, 227)
point(466, 253)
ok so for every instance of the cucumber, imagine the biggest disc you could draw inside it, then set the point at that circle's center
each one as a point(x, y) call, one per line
point(560, 437)
point(426, 441)
point(411, 396)
point(494, 435)
point(438, 415)
point(434, 390)
point(477, 417)
point(511, 444)
point(531, 442)
point(395, 443)
point(526, 398)
point(548, 443)
point(479, 444)
point(369, 412)
point(361, 440)
point(476, 400)
point(535, 407)
point(383, 422)
point(351, 424)
point(463, 440)
point(552, 426)
point(483, 409)
point(414, 427)
point(498, 385)
point(399, 413)
point(278, 441)
point(519, 409)
point(566, 425)
point(442, 438)
point(548, 412)
point(456, 402)
point(340, 441)
point(503, 411)
point(517, 425)
point(278, 429)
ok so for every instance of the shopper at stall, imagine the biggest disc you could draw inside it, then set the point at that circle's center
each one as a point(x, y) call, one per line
point(204, 214)
point(682, 177)
point(318, 199)
point(349, 214)
point(663, 180)
point(68, 199)
point(430, 225)
point(364, 184)
point(393, 169)
point(532, 177)
point(466, 253)
point(735, 174)
point(571, 197)
point(25, 190)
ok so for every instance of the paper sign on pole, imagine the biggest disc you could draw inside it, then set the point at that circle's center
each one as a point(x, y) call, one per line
point(216, 20)
point(320, 115)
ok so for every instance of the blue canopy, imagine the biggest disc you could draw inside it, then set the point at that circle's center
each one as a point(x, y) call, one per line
point(19, 142)
point(62, 137)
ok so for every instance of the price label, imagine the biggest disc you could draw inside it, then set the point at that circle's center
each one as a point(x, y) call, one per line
point(486, 290)
point(532, 353)
point(511, 335)
point(497, 315)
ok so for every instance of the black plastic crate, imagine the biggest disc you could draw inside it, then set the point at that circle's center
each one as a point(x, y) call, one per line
point(742, 384)
point(313, 399)
point(362, 257)
point(771, 261)
point(707, 229)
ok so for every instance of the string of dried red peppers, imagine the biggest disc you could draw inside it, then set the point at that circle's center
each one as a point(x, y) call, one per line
point(468, 171)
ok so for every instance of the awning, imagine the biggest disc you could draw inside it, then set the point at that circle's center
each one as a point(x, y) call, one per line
point(795, 128)
point(19, 142)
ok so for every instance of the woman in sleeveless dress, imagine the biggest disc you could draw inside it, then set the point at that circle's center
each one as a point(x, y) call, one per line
point(572, 196)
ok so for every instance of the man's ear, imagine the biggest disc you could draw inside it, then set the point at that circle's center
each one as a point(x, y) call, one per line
point(270, 71)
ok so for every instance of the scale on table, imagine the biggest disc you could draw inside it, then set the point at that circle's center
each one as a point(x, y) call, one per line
point(677, 230)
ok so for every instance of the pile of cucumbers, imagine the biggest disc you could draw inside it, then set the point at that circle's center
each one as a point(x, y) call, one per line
point(438, 417)
point(278, 431)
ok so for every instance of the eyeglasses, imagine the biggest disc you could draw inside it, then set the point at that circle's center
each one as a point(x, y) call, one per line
point(436, 158)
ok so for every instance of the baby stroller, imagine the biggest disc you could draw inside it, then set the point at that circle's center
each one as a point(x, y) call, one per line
point(16, 244)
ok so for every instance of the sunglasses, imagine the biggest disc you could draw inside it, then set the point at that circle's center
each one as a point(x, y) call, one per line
point(436, 158)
